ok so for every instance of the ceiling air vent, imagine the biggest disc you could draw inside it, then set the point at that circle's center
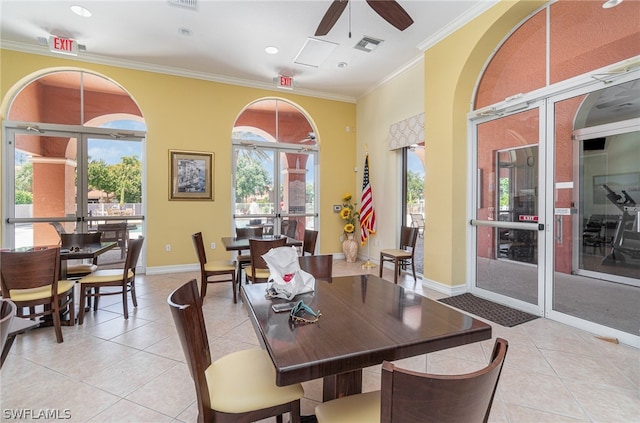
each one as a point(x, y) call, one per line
point(367, 44)
point(187, 4)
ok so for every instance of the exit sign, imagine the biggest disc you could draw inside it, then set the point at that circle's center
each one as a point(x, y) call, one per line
point(63, 45)
point(285, 82)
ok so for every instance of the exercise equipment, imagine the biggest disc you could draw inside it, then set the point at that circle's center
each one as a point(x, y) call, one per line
point(625, 247)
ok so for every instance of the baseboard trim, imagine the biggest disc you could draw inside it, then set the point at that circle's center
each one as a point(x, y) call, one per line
point(444, 289)
point(181, 268)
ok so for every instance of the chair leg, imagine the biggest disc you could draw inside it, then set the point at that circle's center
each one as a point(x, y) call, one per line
point(125, 302)
point(203, 287)
point(96, 292)
point(396, 272)
point(83, 299)
point(381, 265)
point(134, 299)
point(56, 321)
point(413, 268)
point(233, 287)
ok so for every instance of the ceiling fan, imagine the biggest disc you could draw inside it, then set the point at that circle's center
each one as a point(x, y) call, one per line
point(389, 10)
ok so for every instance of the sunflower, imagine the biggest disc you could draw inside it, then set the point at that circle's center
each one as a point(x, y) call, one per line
point(349, 214)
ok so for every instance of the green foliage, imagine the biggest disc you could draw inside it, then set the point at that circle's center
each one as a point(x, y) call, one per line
point(123, 179)
point(504, 193)
point(415, 187)
point(24, 178)
point(24, 197)
point(251, 178)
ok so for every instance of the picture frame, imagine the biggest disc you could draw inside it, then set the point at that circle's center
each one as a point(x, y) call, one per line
point(191, 175)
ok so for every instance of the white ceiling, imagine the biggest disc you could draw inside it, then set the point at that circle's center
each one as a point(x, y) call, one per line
point(228, 38)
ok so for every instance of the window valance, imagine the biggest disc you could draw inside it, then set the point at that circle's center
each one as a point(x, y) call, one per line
point(407, 132)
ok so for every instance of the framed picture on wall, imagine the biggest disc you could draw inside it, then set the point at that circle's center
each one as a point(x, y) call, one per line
point(190, 175)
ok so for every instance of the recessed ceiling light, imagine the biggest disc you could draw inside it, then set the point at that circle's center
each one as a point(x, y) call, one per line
point(342, 65)
point(271, 50)
point(611, 3)
point(185, 32)
point(81, 11)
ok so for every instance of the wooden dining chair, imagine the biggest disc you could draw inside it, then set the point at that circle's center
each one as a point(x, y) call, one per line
point(78, 270)
point(7, 313)
point(115, 232)
point(30, 280)
point(119, 281)
point(320, 266)
point(243, 260)
point(309, 242)
point(403, 256)
point(258, 271)
point(238, 387)
point(289, 227)
point(414, 397)
point(213, 269)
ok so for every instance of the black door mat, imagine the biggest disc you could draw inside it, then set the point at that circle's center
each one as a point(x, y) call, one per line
point(497, 313)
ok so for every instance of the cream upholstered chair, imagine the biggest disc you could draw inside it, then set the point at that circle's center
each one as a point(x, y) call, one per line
point(413, 397)
point(30, 280)
point(210, 269)
point(403, 256)
point(244, 260)
point(119, 281)
point(238, 387)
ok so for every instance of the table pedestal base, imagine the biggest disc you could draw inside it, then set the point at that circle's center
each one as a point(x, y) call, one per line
point(341, 385)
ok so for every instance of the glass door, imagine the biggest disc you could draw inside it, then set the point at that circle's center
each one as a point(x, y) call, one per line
point(283, 201)
point(508, 221)
point(64, 182)
point(595, 282)
point(40, 186)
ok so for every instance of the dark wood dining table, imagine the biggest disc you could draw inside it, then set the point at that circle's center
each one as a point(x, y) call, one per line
point(365, 320)
point(87, 251)
point(232, 243)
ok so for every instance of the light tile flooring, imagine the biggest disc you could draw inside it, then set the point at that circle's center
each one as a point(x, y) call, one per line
point(116, 370)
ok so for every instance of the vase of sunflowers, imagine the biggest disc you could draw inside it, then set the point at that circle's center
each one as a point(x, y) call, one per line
point(349, 216)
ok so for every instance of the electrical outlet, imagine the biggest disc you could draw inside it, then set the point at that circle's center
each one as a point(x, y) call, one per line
point(213, 245)
point(337, 208)
point(167, 247)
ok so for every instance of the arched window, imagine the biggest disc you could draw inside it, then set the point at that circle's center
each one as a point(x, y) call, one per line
point(75, 142)
point(275, 154)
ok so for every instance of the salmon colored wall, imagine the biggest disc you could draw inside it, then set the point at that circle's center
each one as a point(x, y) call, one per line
point(198, 115)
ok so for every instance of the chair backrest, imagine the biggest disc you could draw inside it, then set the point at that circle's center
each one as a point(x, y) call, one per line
point(309, 241)
point(30, 269)
point(133, 253)
point(114, 232)
point(7, 311)
point(289, 227)
point(198, 244)
point(408, 238)
point(417, 220)
point(408, 396)
point(320, 266)
point(249, 232)
point(259, 247)
point(186, 309)
point(58, 227)
point(80, 240)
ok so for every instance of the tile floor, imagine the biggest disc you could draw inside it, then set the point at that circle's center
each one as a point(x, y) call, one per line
point(112, 370)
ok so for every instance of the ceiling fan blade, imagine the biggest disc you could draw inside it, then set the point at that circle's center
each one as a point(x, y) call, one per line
point(331, 17)
point(392, 12)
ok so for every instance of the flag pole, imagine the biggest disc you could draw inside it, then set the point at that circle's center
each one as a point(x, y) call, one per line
point(367, 264)
point(369, 227)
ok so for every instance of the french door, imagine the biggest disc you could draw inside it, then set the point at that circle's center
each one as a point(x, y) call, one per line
point(555, 222)
point(46, 174)
point(275, 188)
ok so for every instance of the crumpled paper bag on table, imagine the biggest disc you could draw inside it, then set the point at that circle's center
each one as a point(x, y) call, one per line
point(287, 279)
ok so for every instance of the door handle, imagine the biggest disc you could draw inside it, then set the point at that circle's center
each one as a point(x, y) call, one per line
point(559, 229)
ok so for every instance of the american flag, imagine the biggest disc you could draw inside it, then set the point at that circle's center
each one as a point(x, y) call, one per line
point(367, 212)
